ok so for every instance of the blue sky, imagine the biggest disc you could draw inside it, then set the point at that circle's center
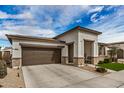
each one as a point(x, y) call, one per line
point(49, 21)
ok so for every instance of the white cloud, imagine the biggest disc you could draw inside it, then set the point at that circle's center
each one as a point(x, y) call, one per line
point(70, 12)
point(31, 27)
point(95, 17)
point(96, 9)
point(112, 7)
point(26, 30)
point(78, 21)
point(112, 27)
point(40, 20)
point(3, 15)
point(66, 14)
point(24, 15)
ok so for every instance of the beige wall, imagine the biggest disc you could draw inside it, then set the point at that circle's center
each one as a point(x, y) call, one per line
point(78, 38)
point(120, 46)
point(70, 37)
point(3, 50)
point(17, 51)
point(102, 57)
point(91, 37)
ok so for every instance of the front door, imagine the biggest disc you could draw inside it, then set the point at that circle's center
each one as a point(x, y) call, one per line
point(70, 53)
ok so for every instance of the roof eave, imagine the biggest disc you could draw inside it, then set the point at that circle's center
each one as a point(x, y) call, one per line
point(79, 28)
point(10, 37)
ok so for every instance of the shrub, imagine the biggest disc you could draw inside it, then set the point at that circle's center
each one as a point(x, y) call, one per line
point(3, 69)
point(100, 62)
point(0, 55)
point(101, 70)
point(107, 60)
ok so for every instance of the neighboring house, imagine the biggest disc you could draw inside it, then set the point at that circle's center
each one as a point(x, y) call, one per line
point(6, 49)
point(120, 49)
point(103, 50)
point(76, 46)
point(7, 54)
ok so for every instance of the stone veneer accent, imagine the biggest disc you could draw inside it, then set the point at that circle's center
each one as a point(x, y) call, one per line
point(64, 60)
point(16, 62)
point(95, 60)
point(78, 61)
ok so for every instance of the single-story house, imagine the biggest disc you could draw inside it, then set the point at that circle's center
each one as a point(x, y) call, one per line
point(71, 47)
point(6, 50)
point(105, 47)
point(6, 54)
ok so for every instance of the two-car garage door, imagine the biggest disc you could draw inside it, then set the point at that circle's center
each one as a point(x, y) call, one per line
point(36, 56)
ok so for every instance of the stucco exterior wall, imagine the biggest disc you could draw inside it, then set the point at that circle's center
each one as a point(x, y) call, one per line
point(17, 51)
point(70, 37)
point(91, 37)
point(78, 37)
point(119, 46)
point(102, 57)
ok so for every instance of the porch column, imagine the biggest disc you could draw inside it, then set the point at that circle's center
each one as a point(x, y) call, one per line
point(79, 60)
point(81, 52)
point(95, 52)
point(106, 49)
point(64, 58)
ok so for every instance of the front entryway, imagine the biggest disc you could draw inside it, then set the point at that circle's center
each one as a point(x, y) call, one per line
point(37, 56)
point(88, 51)
point(70, 52)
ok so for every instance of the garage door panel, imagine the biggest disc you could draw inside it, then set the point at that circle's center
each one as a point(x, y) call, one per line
point(34, 56)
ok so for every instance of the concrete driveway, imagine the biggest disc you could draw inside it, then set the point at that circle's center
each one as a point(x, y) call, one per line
point(54, 75)
point(57, 75)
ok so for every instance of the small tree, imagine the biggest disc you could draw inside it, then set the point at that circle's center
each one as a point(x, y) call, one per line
point(3, 66)
point(113, 53)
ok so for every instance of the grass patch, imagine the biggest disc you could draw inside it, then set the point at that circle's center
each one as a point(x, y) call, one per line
point(113, 66)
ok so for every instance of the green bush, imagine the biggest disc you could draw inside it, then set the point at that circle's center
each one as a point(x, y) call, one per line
point(107, 60)
point(100, 62)
point(101, 70)
point(3, 69)
point(0, 55)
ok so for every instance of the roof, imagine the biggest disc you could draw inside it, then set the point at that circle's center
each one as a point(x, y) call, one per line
point(7, 49)
point(122, 42)
point(114, 43)
point(40, 46)
point(81, 29)
point(100, 43)
point(32, 38)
